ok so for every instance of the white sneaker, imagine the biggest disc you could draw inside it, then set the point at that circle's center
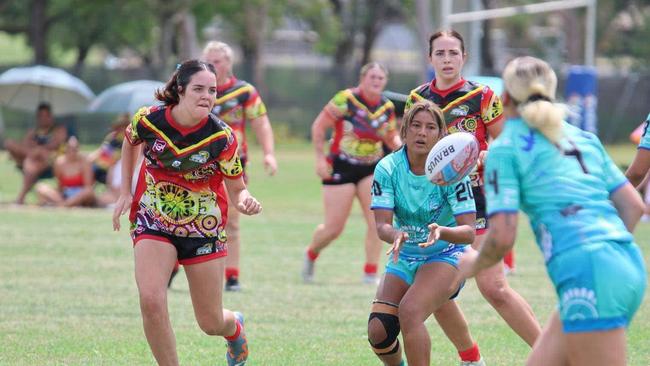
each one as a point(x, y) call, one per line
point(473, 363)
point(308, 269)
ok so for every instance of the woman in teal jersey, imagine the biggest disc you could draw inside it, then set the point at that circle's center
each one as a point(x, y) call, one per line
point(641, 163)
point(429, 228)
point(582, 211)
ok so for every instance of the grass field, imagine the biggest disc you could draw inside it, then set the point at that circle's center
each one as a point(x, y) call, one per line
point(68, 297)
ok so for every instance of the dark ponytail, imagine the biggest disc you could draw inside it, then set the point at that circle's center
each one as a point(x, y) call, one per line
point(176, 84)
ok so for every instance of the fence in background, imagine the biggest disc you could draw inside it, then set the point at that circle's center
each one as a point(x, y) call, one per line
point(295, 96)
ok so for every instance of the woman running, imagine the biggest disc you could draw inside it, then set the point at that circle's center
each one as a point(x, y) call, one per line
point(179, 208)
point(362, 119)
point(238, 102)
point(582, 210)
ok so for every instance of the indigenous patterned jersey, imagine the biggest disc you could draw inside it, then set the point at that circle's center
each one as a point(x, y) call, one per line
point(360, 127)
point(467, 106)
point(238, 102)
point(564, 190)
point(110, 151)
point(179, 190)
point(645, 138)
point(416, 202)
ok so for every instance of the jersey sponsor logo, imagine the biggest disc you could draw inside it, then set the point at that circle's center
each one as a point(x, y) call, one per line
point(159, 146)
point(216, 110)
point(204, 249)
point(201, 157)
point(579, 303)
point(176, 164)
point(480, 223)
point(460, 111)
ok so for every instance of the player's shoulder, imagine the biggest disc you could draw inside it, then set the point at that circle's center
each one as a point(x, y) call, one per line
point(151, 113)
point(508, 138)
point(393, 161)
point(420, 90)
point(215, 122)
point(239, 84)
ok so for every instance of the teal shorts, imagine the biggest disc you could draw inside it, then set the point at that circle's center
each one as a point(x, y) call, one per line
point(406, 267)
point(600, 286)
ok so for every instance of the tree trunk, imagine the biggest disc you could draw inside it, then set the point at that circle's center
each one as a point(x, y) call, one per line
point(38, 32)
point(187, 40)
point(256, 21)
point(376, 14)
point(165, 43)
point(344, 52)
point(424, 20)
point(82, 53)
point(487, 67)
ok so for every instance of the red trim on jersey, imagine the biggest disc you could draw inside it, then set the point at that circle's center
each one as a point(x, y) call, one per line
point(140, 187)
point(338, 135)
point(367, 100)
point(158, 238)
point(227, 85)
point(184, 130)
point(444, 93)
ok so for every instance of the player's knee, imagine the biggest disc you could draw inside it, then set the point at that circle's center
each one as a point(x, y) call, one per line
point(383, 328)
point(408, 315)
point(153, 304)
point(494, 292)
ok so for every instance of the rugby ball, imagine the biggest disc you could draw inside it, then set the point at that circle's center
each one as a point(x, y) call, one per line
point(452, 158)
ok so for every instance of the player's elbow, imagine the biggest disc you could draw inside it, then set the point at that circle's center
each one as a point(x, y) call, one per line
point(635, 176)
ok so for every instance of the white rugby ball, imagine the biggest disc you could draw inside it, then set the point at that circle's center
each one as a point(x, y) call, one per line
point(452, 158)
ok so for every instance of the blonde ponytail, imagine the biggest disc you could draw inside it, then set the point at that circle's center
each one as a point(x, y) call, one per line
point(531, 83)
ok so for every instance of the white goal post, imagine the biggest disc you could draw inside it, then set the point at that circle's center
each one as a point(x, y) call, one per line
point(448, 17)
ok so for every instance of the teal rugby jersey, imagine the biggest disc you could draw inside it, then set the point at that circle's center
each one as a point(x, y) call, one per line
point(645, 138)
point(565, 192)
point(416, 202)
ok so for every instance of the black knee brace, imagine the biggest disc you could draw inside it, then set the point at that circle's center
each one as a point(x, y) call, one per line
point(386, 313)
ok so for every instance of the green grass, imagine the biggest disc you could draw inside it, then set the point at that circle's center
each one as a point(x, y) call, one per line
point(68, 297)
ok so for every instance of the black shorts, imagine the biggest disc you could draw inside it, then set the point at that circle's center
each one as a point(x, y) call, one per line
point(100, 174)
point(481, 212)
point(343, 172)
point(189, 250)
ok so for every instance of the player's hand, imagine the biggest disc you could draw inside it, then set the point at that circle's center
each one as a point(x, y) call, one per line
point(467, 263)
point(397, 245)
point(122, 205)
point(481, 159)
point(434, 235)
point(324, 169)
point(270, 164)
point(249, 206)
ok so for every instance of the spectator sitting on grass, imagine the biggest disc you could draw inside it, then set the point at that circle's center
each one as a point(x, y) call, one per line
point(74, 175)
point(35, 154)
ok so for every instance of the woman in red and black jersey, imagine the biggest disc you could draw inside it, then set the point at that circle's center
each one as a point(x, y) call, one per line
point(362, 119)
point(474, 108)
point(179, 208)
